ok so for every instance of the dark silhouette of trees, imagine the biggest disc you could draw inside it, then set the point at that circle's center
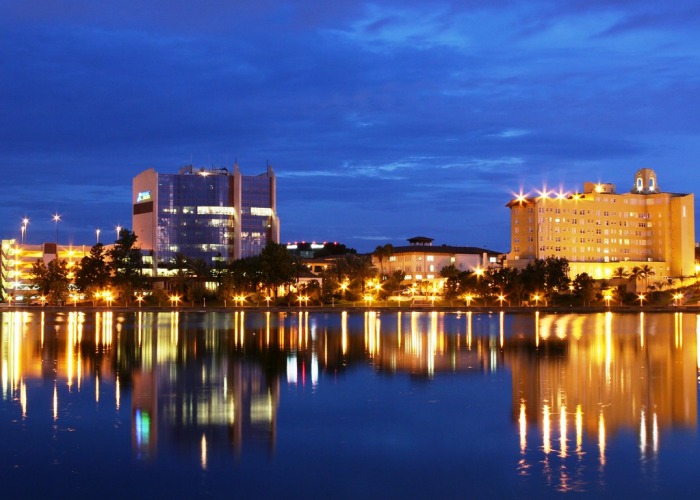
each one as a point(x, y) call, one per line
point(126, 265)
point(93, 272)
point(51, 280)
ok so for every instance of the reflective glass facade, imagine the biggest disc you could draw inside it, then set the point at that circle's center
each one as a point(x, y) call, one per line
point(196, 217)
point(256, 214)
point(213, 215)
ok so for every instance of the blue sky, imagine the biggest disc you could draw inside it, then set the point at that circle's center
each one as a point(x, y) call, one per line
point(383, 120)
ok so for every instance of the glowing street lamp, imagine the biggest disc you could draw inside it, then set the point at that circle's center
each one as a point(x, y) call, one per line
point(43, 300)
point(139, 299)
point(641, 298)
point(98, 235)
point(607, 296)
point(501, 298)
point(174, 299)
point(344, 288)
point(119, 230)
point(56, 218)
point(677, 299)
point(25, 222)
point(537, 299)
point(469, 298)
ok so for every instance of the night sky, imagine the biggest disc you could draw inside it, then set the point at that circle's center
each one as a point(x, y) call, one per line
point(382, 120)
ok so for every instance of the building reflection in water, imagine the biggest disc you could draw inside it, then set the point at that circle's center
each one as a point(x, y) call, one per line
point(210, 383)
point(599, 375)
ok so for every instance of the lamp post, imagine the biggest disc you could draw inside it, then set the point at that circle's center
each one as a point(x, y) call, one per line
point(641, 298)
point(607, 296)
point(25, 221)
point(119, 230)
point(501, 298)
point(98, 235)
point(56, 219)
point(537, 299)
point(468, 298)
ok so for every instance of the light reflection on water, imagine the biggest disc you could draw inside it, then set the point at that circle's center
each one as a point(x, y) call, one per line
point(581, 388)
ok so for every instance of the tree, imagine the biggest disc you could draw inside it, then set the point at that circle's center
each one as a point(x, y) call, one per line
point(383, 252)
point(361, 270)
point(621, 273)
point(278, 267)
point(93, 271)
point(642, 273)
point(647, 272)
point(584, 288)
point(51, 280)
point(39, 277)
point(126, 264)
point(452, 284)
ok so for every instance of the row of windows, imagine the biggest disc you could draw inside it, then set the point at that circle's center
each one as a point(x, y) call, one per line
point(428, 258)
point(605, 250)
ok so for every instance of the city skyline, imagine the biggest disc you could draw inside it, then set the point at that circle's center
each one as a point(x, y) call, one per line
point(383, 120)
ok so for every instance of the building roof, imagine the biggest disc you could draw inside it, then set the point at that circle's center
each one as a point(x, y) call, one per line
point(444, 249)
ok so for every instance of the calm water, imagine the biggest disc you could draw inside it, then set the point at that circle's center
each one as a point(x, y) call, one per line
point(315, 405)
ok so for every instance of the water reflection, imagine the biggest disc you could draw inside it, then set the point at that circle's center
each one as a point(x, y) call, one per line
point(212, 382)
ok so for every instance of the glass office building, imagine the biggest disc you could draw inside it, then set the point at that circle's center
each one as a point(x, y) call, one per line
point(210, 214)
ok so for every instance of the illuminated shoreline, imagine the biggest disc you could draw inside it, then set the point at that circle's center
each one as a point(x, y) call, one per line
point(360, 308)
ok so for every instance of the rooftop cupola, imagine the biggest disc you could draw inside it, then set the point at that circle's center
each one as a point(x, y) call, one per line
point(645, 182)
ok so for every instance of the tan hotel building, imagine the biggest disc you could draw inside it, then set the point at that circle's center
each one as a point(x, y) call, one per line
point(600, 230)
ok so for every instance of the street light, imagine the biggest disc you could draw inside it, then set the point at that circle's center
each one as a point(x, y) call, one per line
point(537, 299)
point(641, 298)
point(25, 221)
point(268, 299)
point(501, 298)
point(468, 298)
point(98, 235)
point(56, 219)
point(119, 230)
point(677, 298)
point(607, 296)
point(139, 297)
point(174, 299)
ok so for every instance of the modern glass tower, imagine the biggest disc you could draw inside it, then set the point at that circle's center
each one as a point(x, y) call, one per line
point(209, 214)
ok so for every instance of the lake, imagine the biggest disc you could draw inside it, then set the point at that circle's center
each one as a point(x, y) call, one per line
point(348, 405)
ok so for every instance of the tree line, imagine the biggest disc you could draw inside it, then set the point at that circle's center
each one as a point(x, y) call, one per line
point(348, 277)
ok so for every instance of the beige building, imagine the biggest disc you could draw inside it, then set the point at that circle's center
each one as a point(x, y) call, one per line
point(422, 261)
point(600, 230)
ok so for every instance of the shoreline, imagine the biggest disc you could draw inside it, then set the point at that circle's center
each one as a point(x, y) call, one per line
point(335, 309)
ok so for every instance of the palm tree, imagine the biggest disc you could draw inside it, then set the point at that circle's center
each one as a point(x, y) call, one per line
point(383, 252)
point(621, 273)
point(647, 272)
point(636, 274)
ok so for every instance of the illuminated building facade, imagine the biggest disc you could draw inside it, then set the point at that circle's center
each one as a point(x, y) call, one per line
point(209, 214)
point(600, 230)
point(421, 261)
point(17, 260)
